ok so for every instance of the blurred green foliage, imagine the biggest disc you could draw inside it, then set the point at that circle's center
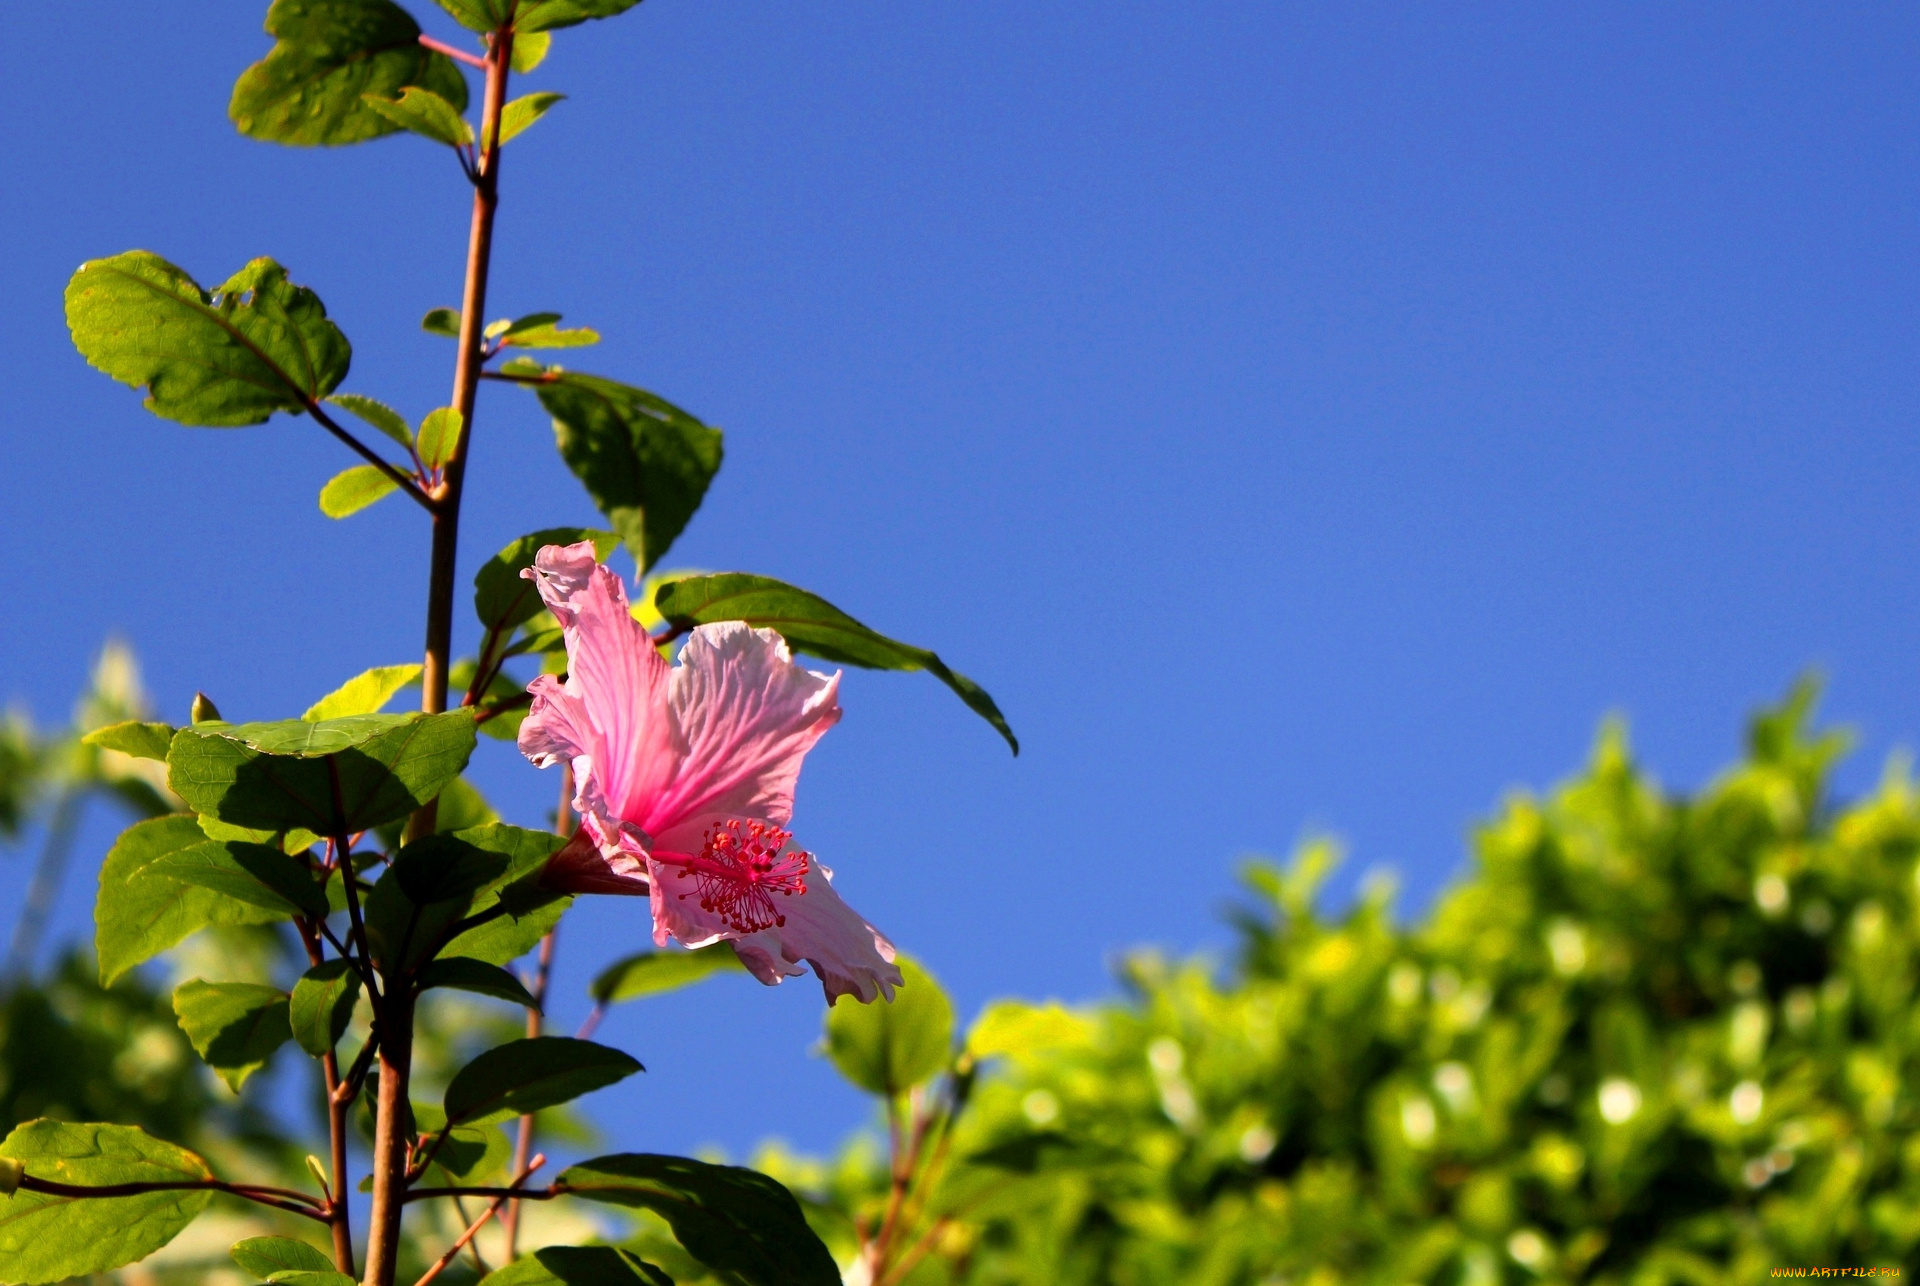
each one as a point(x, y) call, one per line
point(1645, 1038)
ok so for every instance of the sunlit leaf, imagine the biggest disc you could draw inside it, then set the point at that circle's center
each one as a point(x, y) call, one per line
point(329, 55)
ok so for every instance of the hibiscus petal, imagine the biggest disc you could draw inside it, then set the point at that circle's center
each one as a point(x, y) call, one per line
point(743, 716)
point(851, 957)
point(608, 717)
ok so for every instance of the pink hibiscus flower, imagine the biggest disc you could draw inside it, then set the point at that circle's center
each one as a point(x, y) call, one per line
point(684, 778)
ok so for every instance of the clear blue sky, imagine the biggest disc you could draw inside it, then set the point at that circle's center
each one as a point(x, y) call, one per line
point(1297, 416)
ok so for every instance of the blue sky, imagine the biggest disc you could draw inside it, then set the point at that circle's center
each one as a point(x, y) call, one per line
point(1299, 417)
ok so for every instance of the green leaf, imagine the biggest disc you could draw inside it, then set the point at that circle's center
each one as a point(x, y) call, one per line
point(438, 881)
point(378, 414)
point(333, 777)
point(293, 841)
point(650, 973)
point(442, 321)
point(257, 874)
point(811, 624)
point(322, 1005)
point(351, 490)
point(524, 1076)
point(265, 1256)
point(530, 50)
point(45, 1238)
point(364, 693)
point(520, 325)
point(141, 912)
point(645, 462)
point(552, 337)
point(888, 1048)
point(504, 599)
point(483, 979)
point(578, 1266)
point(257, 345)
point(471, 1154)
point(312, 86)
point(530, 15)
point(731, 1219)
point(510, 937)
point(234, 1026)
point(141, 740)
point(428, 890)
point(310, 1278)
point(516, 116)
point(439, 437)
point(424, 113)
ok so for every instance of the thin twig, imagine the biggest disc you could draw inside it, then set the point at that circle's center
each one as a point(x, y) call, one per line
point(500, 708)
point(547, 1193)
point(473, 1228)
point(453, 52)
point(516, 377)
point(299, 1203)
point(371, 456)
point(563, 825)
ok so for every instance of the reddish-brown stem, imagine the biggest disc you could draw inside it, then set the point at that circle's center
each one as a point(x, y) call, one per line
point(466, 380)
point(473, 1229)
point(495, 711)
point(452, 51)
point(338, 1213)
point(298, 1203)
point(547, 1193)
point(563, 824)
point(396, 1008)
point(372, 457)
point(391, 1122)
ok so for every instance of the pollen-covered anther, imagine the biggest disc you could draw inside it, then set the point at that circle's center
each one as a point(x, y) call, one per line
point(740, 867)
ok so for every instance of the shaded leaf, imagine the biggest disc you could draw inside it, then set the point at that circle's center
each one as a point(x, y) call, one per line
point(464, 974)
point(329, 55)
point(257, 345)
point(264, 1256)
point(522, 112)
point(811, 624)
point(45, 1238)
point(578, 1266)
point(364, 693)
point(322, 1005)
point(234, 1026)
point(645, 462)
point(332, 777)
point(140, 912)
point(141, 740)
point(732, 1219)
point(425, 113)
point(348, 492)
point(649, 973)
point(378, 414)
point(524, 1076)
point(309, 1277)
point(442, 321)
point(438, 881)
point(258, 874)
point(888, 1048)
